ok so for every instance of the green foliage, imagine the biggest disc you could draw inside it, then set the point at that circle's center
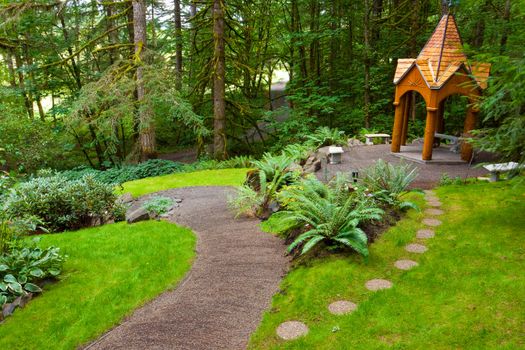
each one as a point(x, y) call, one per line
point(27, 145)
point(446, 180)
point(62, 204)
point(325, 136)
point(23, 267)
point(273, 173)
point(388, 182)
point(158, 205)
point(329, 213)
point(504, 108)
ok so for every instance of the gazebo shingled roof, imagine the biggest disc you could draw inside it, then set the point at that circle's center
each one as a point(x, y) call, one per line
point(440, 70)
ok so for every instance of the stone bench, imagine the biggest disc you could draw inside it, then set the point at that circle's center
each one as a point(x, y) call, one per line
point(370, 138)
point(454, 147)
point(498, 168)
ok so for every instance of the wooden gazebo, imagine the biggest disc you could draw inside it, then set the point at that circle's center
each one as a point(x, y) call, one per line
point(440, 70)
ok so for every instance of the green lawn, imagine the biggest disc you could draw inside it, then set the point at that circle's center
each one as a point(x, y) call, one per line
point(467, 293)
point(222, 177)
point(111, 270)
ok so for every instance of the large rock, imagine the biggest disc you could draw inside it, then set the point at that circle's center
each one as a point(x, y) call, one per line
point(312, 168)
point(125, 198)
point(136, 215)
point(354, 143)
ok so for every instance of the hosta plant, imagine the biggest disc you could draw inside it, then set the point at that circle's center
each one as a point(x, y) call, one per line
point(23, 267)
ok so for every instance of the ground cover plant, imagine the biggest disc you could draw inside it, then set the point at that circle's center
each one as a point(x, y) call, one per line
point(222, 177)
point(110, 271)
point(467, 291)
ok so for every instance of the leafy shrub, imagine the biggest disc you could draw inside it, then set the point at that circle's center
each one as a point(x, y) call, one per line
point(330, 213)
point(6, 182)
point(22, 268)
point(61, 204)
point(447, 180)
point(325, 136)
point(389, 182)
point(158, 205)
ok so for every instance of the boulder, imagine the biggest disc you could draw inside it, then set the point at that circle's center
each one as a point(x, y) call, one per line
point(125, 198)
point(354, 142)
point(312, 168)
point(136, 215)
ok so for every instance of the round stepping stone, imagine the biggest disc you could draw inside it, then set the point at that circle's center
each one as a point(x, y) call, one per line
point(431, 199)
point(434, 203)
point(433, 211)
point(378, 284)
point(341, 307)
point(432, 222)
point(291, 330)
point(405, 264)
point(425, 234)
point(429, 192)
point(415, 248)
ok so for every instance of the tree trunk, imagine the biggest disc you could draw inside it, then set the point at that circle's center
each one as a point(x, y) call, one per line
point(505, 31)
point(21, 84)
point(444, 7)
point(219, 103)
point(145, 123)
point(367, 63)
point(178, 45)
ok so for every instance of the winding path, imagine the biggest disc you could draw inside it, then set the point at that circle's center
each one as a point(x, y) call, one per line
point(222, 299)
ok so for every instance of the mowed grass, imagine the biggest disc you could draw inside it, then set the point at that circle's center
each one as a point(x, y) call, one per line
point(468, 291)
point(222, 177)
point(111, 270)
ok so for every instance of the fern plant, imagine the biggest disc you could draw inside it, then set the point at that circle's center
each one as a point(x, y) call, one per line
point(325, 136)
point(330, 213)
point(273, 174)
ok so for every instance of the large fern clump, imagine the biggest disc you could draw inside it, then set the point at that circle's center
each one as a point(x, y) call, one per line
point(330, 213)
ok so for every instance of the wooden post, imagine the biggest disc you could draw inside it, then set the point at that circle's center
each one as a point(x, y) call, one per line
point(398, 120)
point(470, 124)
point(430, 129)
point(406, 109)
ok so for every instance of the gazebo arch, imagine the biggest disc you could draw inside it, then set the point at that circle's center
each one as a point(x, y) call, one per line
point(440, 70)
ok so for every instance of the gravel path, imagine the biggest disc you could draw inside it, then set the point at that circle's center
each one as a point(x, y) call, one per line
point(221, 301)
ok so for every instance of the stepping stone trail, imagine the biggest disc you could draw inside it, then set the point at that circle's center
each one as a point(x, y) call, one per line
point(405, 264)
point(431, 222)
point(291, 330)
point(425, 234)
point(433, 211)
point(341, 307)
point(416, 248)
point(378, 284)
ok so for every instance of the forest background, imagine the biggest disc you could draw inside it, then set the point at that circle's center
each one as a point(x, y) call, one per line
point(101, 83)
